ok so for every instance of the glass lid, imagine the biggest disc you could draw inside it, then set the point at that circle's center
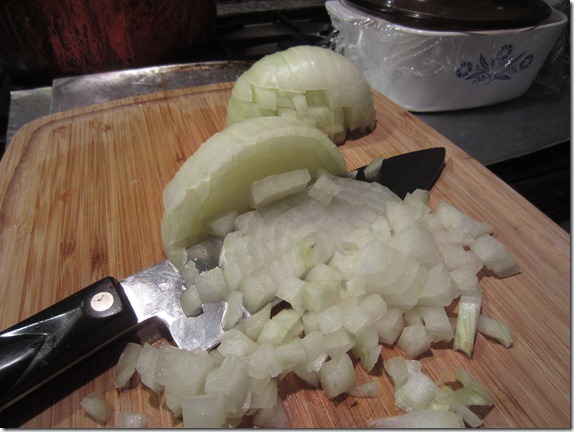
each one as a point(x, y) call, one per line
point(460, 15)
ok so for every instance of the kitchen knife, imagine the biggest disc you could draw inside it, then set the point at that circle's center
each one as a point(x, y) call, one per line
point(46, 344)
point(404, 173)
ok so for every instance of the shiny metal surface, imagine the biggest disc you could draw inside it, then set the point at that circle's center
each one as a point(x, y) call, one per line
point(25, 106)
point(156, 292)
point(86, 90)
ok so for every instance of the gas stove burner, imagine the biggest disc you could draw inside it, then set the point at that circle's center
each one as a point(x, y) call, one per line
point(253, 35)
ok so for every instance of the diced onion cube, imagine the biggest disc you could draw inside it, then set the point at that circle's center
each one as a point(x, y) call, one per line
point(98, 407)
point(415, 340)
point(337, 376)
point(125, 420)
point(127, 362)
point(278, 186)
point(495, 330)
point(422, 419)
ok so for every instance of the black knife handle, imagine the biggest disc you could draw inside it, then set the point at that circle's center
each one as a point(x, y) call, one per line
point(44, 345)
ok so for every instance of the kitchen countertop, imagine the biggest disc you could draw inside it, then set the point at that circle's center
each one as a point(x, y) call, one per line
point(537, 120)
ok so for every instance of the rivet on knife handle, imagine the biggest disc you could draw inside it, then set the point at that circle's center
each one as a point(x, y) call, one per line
point(44, 345)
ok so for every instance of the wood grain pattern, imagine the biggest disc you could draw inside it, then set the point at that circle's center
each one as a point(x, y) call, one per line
point(80, 199)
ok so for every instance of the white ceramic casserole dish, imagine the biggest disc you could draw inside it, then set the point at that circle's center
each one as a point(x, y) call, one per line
point(431, 70)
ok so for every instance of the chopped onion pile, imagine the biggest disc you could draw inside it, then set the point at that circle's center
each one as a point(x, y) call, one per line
point(214, 182)
point(309, 83)
point(355, 267)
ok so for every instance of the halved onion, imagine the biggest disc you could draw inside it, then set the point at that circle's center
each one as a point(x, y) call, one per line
point(216, 179)
point(309, 83)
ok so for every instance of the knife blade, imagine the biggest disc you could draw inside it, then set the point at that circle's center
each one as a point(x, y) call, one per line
point(44, 345)
point(405, 172)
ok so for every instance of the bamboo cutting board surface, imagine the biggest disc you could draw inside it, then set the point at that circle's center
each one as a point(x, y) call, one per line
point(80, 196)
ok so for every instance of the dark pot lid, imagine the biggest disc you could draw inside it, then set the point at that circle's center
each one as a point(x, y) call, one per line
point(461, 15)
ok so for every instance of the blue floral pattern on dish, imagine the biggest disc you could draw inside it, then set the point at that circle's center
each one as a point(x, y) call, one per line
point(500, 67)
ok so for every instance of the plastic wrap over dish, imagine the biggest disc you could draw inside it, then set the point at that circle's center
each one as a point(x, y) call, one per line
point(429, 70)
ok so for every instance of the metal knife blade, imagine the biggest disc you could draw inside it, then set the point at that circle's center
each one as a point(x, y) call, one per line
point(156, 293)
point(46, 344)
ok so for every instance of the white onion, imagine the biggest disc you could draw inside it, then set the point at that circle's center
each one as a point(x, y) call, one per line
point(264, 394)
point(390, 326)
point(309, 83)
point(126, 365)
point(494, 256)
point(232, 380)
point(125, 420)
point(415, 392)
point(323, 190)
point(190, 301)
point(281, 328)
point(351, 281)
point(277, 186)
point(413, 316)
point(263, 362)
point(204, 411)
point(422, 419)
point(495, 329)
point(180, 372)
point(467, 323)
point(437, 324)
point(216, 179)
point(367, 348)
point(367, 390)
point(338, 342)
point(146, 366)
point(234, 342)
point(211, 286)
point(253, 325)
point(97, 407)
point(290, 354)
point(233, 311)
point(457, 221)
point(272, 417)
point(224, 224)
point(415, 340)
point(337, 376)
point(472, 393)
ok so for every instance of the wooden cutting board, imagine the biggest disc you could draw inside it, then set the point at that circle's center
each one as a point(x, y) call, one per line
point(80, 196)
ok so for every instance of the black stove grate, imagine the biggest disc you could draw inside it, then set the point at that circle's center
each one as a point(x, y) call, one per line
point(250, 36)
